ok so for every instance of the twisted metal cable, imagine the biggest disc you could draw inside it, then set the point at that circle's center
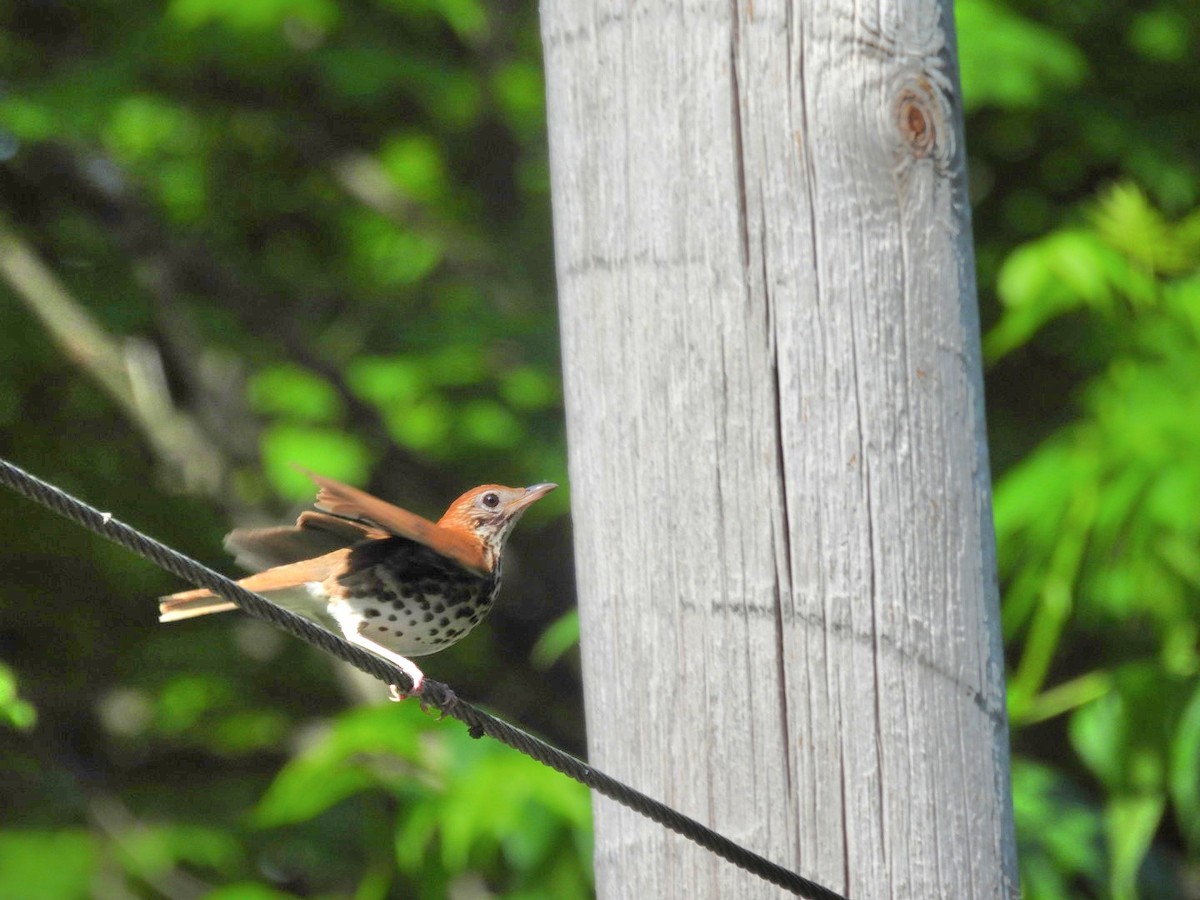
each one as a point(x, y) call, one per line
point(434, 694)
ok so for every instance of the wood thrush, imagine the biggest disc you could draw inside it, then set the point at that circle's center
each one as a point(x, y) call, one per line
point(395, 584)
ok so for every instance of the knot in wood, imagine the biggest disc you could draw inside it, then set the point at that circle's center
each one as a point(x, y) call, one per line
point(919, 118)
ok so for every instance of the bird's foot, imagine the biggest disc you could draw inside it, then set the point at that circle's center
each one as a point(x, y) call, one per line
point(418, 687)
point(396, 695)
point(444, 709)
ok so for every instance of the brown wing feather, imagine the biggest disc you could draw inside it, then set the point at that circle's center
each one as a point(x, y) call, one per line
point(343, 500)
point(314, 534)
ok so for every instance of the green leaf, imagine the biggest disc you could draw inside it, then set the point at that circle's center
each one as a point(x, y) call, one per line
point(489, 424)
point(1122, 736)
point(521, 94)
point(529, 388)
point(529, 810)
point(467, 17)
point(1126, 219)
point(1009, 61)
point(149, 850)
point(515, 789)
point(421, 426)
point(334, 454)
point(416, 830)
point(1125, 738)
point(1043, 280)
point(1184, 774)
point(1058, 832)
point(16, 712)
point(145, 127)
point(186, 700)
point(249, 730)
point(27, 119)
point(295, 393)
point(455, 100)
point(386, 255)
point(302, 791)
point(182, 187)
point(342, 762)
point(387, 380)
point(360, 74)
point(1130, 822)
point(247, 890)
point(457, 365)
point(1160, 34)
point(414, 162)
point(560, 636)
point(47, 865)
point(258, 16)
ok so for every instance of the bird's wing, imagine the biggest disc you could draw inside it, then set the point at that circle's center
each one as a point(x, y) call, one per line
point(314, 534)
point(351, 503)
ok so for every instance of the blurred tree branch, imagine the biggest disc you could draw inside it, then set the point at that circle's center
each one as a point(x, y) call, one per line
point(118, 823)
point(168, 269)
point(130, 371)
point(367, 181)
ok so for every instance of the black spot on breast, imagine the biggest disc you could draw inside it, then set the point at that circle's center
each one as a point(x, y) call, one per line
point(412, 622)
point(463, 612)
point(433, 632)
point(444, 621)
point(428, 617)
point(382, 628)
point(392, 617)
point(440, 607)
point(370, 613)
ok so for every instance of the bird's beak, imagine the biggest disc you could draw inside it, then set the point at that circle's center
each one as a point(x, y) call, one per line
point(533, 493)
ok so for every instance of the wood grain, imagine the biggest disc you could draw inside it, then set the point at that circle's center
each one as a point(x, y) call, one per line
point(779, 472)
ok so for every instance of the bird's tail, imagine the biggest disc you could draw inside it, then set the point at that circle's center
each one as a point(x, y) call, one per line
point(286, 585)
point(189, 604)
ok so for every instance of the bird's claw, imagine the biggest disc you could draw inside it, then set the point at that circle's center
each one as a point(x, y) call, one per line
point(444, 709)
point(396, 695)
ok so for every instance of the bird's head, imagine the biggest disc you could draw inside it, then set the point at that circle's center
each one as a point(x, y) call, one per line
point(489, 512)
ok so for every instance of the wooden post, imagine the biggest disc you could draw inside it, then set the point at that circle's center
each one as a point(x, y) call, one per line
point(779, 473)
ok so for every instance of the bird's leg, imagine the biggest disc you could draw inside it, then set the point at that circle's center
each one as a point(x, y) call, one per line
point(406, 665)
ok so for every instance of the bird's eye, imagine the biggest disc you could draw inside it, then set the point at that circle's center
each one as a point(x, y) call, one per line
point(491, 499)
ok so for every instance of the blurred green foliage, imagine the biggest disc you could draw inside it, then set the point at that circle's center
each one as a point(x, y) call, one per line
point(14, 711)
point(319, 232)
point(328, 226)
point(1085, 190)
point(1099, 531)
point(529, 835)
